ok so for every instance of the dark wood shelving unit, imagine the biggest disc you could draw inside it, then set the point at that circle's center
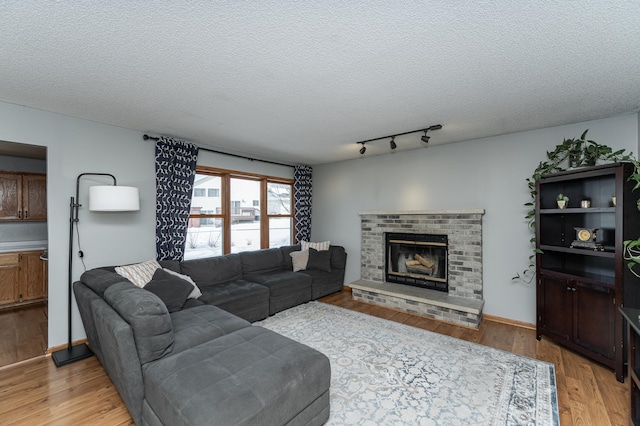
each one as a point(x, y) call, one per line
point(580, 291)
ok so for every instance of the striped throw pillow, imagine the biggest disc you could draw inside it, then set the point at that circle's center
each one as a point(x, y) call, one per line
point(324, 245)
point(139, 273)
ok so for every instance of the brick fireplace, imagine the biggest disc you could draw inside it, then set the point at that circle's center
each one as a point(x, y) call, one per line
point(462, 302)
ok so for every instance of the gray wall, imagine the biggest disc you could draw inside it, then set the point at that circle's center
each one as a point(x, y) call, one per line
point(75, 146)
point(22, 231)
point(485, 174)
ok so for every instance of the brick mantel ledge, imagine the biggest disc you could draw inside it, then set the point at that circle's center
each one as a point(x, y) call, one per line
point(416, 212)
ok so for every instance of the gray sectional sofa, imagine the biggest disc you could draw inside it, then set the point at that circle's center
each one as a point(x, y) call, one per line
point(204, 364)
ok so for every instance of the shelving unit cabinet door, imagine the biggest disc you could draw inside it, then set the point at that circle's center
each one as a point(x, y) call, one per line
point(556, 307)
point(10, 196)
point(32, 281)
point(34, 190)
point(594, 322)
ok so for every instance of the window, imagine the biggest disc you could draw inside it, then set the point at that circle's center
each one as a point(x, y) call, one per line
point(240, 212)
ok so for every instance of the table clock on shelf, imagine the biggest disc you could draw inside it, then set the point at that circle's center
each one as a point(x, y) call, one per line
point(586, 238)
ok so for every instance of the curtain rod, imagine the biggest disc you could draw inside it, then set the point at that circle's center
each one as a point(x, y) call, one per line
point(147, 137)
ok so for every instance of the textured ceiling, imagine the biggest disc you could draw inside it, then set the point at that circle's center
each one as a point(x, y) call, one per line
point(301, 82)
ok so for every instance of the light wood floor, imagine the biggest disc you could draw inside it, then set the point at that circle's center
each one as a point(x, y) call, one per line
point(23, 333)
point(38, 393)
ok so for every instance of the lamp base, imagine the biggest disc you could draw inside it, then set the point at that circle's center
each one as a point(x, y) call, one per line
point(67, 356)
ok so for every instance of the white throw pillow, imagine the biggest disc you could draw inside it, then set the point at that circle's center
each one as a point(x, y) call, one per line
point(139, 273)
point(324, 245)
point(299, 260)
point(195, 293)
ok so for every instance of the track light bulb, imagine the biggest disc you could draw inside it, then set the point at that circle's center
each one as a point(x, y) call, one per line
point(363, 149)
point(425, 138)
point(392, 143)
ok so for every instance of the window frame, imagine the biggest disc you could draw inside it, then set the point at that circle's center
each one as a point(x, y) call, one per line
point(225, 203)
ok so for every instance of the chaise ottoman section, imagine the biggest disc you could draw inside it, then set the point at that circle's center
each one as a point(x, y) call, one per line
point(252, 376)
point(194, 326)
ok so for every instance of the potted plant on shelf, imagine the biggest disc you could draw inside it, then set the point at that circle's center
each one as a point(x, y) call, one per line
point(574, 153)
point(562, 200)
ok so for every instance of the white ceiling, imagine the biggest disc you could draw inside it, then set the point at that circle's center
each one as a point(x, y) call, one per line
point(302, 82)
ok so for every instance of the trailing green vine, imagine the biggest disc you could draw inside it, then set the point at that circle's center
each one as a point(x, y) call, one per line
point(577, 153)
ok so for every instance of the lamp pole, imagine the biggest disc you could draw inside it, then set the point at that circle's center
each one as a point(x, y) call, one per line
point(74, 353)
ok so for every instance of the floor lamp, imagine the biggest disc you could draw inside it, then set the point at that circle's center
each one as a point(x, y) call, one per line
point(110, 198)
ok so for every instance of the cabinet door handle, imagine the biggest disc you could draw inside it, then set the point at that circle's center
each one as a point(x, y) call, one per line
point(19, 214)
point(26, 214)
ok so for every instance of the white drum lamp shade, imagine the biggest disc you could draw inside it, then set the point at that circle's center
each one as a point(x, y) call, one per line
point(114, 198)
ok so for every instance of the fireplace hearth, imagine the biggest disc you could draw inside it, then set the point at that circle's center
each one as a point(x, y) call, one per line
point(416, 259)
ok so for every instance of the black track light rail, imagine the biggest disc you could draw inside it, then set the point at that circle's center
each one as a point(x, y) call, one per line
point(434, 127)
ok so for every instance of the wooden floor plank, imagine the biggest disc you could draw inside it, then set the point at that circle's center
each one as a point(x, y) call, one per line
point(38, 393)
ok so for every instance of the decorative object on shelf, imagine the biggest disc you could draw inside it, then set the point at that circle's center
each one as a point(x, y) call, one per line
point(392, 143)
point(585, 204)
point(613, 199)
point(571, 152)
point(586, 238)
point(562, 200)
point(110, 198)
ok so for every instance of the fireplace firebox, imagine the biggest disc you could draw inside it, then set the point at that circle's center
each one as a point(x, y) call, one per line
point(417, 259)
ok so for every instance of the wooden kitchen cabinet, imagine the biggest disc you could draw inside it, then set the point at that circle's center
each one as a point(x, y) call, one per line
point(23, 196)
point(9, 278)
point(33, 279)
point(23, 278)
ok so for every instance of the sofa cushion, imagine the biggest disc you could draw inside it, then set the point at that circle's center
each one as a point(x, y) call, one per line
point(99, 280)
point(260, 261)
point(286, 254)
point(195, 291)
point(213, 270)
point(248, 377)
point(338, 257)
point(192, 327)
point(236, 296)
point(281, 283)
point(139, 273)
point(320, 246)
point(148, 317)
point(299, 260)
point(172, 290)
point(320, 260)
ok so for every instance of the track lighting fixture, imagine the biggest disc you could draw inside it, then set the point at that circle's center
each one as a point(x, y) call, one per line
point(392, 142)
point(363, 149)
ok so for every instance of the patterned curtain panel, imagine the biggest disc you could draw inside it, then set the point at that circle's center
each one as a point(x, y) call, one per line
point(302, 188)
point(175, 173)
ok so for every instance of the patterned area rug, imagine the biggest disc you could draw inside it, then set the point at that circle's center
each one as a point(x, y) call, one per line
point(386, 373)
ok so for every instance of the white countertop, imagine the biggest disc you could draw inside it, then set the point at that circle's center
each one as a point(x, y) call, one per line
point(22, 246)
